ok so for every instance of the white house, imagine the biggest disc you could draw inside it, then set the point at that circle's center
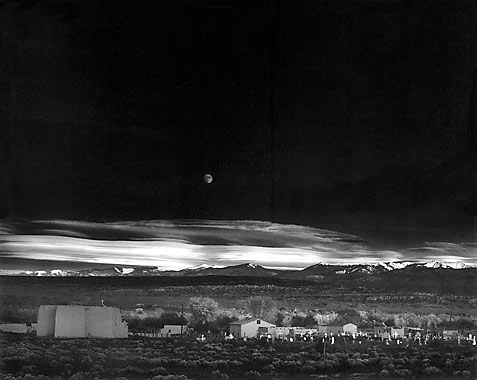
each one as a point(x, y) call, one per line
point(350, 329)
point(76, 321)
point(250, 328)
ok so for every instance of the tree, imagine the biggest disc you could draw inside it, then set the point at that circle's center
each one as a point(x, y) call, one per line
point(172, 319)
point(204, 309)
point(299, 321)
point(224, 321)
point(349, 315)
point(459, 324)
point(262, 307)
point(279, 319)
point(309, 321)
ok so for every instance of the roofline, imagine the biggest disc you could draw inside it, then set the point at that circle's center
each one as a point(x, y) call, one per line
point(245, 321)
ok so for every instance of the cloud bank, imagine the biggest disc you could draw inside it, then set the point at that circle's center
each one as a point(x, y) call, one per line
point(175, 245)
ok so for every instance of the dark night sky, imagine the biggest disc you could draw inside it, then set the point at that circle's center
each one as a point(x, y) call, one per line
point(329, 113)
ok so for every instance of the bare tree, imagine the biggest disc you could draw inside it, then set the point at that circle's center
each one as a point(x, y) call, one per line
point(262, 307)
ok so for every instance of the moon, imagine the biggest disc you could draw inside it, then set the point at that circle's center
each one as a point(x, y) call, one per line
point(208, 178)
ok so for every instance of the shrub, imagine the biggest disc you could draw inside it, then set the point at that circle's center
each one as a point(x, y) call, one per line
point(291, 367)
point(159, 371)
point(219, 375)
point(308, 369)
point(170, 377)
point(268, 368)
point(403, 373)
point(7, 377)
point(432, 371)
point(76, 376)
point(28, 369)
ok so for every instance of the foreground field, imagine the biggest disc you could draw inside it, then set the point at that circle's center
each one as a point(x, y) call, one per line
point(30, 357)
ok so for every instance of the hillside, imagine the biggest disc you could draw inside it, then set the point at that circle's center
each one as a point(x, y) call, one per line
point(431, 277)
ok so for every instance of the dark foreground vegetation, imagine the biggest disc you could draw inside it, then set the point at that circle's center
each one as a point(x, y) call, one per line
point(31, 357)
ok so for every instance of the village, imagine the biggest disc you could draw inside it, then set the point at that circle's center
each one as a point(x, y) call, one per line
point(78, 321)
point(79, 342)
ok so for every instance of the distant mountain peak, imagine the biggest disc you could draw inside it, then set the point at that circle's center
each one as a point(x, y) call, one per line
point(315, 271)
point(203, 266)
point(435, 264)
point(378, 267)
point(124, 270)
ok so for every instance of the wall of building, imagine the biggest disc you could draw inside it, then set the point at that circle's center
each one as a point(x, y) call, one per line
point(332, 329)
point(120, 328)
point(98, 322)
point(235, 330)
point(250, 330)
point(46, 320)
point(398, 332)
point(173, 330)
point(350, 328)
point(18, 328)
point(70, 322)
point(282, 331)
point(75, 321)
point(381, 330)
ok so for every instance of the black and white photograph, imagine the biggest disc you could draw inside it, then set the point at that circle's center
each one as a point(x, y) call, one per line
point(238, 189)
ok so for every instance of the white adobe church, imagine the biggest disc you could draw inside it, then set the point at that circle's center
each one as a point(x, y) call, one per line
point(76, 321)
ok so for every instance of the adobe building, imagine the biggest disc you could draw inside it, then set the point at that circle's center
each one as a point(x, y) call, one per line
point(76, 321)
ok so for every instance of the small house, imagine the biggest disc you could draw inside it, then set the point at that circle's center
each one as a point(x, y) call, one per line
point(251, 328)
point(169, 330)
point(350, 329)
point(345, 329)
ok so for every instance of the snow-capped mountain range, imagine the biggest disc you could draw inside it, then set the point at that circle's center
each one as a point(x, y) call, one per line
point(250, 269)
